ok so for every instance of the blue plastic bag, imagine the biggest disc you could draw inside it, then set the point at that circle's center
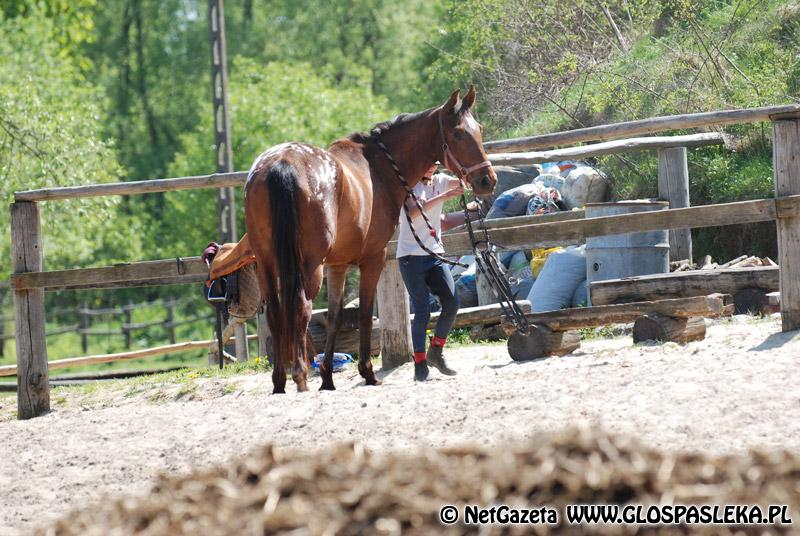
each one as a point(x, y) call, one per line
point(339, 360)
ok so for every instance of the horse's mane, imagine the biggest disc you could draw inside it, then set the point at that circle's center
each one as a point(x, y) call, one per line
point(400, 119)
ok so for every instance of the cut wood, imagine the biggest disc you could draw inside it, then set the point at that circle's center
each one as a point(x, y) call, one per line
point(682, 284)
point(588, 317)
point(540, 342)
point(638, 128)
point(786, 148)
point(733, 261)
point(656, 327)
point(610, 147)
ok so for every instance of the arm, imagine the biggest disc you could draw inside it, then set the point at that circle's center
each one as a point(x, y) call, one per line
point(454, 189)
point(454, 219)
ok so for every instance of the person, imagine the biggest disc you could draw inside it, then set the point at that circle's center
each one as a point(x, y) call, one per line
point(424, 274)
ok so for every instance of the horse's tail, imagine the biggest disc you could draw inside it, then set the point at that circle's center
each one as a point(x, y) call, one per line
point(282, 185)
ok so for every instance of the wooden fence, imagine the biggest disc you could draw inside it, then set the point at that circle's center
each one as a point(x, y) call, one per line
point(29, 281)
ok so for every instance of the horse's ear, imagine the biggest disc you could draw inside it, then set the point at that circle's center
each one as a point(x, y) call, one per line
point(469, 99)
point(451, 103)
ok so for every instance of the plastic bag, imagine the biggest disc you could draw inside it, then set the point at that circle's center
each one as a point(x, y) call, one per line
point(538, 258)
point(339, 360)
point(562, 273)
point(583, 185)
point(513, 202)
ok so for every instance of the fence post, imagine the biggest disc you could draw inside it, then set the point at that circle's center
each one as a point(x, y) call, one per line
point(786, 163)
point(169, 305)
point(396, 345)
point(33, 389)
point(673, 186)
point(263, 332)
point(86, 322)
point(242, 348)
point(126, 327)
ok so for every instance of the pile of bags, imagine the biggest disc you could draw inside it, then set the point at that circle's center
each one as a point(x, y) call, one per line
point(549, 278)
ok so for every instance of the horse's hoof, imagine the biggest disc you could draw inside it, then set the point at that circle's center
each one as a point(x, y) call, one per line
point(277, 391)
point(374, 381)
point(327, 387)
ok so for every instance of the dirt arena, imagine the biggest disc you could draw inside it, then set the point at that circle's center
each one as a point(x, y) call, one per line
point(734, 391)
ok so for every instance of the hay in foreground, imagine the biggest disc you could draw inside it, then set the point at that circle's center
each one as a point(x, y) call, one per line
point(347, 489)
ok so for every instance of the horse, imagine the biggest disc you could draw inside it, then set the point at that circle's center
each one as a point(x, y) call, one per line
point(307, 209)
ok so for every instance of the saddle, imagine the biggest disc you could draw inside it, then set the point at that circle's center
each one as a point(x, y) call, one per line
point(232, 277)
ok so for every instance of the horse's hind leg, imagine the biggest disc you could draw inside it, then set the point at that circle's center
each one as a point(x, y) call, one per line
point(336, 280)
point(312, 284)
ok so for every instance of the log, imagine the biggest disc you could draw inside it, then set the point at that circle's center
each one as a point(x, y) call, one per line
point(515, 221)
point(546, 234)
point(588, 317)
point(610, 147)
point(683, 284)
point(215, 180)
point(673, 186)
point(540, 342)
point(33, 388)
point(638, 128)
point(656, 327)
point(786, 163)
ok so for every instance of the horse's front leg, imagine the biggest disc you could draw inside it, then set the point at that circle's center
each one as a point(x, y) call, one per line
point(370, 273)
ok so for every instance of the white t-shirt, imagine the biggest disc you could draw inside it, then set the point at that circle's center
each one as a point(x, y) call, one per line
point(406, 245)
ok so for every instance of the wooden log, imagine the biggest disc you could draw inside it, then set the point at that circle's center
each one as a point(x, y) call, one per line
point(482, 315)
point(540, 342)
point(33, 389)
point(393, 307)
point(241, 348)
point(514, 221)
point(610, 147)
point(638, 128)
point(546, 234)
point(262, 332)
point(588, 317)
point(486, 294)
point(673, 186)
point(215, 180)
point(786, 163)
point(683, 284)
point(656, 327)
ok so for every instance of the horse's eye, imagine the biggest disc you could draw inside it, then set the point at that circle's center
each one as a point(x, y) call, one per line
point(458, 135)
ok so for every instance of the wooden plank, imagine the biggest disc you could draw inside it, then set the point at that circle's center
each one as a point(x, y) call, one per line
point(550, 234)
point(786, 163)
point(673, 186)
point(641, 127)
point(683, 284)
point(393, 307)
point(215, 180)
point(499, 223)
point(478, 316)
point(189, 270)
point(588, 317)
point(609, 147)
point(33, 388)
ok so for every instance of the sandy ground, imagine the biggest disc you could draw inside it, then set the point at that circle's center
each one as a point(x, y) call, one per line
point(736, 390)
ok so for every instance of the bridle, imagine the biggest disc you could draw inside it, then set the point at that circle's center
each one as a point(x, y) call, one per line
point(449, 159)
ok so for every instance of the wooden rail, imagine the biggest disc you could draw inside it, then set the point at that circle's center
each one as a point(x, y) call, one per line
point(641, 127)
point(610, 147)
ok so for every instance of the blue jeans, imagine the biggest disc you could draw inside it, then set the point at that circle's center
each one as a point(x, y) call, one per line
point(422, 275)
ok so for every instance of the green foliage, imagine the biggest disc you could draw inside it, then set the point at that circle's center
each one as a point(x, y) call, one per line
point(50, 136)
point(269, 104)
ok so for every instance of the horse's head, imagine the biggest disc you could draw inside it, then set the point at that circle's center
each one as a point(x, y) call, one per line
point(462, 143)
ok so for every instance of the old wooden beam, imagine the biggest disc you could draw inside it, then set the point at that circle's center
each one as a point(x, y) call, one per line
point(33, 388)
point(673, 186)
point(656, 327)
point(786, 163)
point(540, 341)
point(393, 306)
point(683, 284)
point(605, 148)
point(641, 127)
point(587, 317)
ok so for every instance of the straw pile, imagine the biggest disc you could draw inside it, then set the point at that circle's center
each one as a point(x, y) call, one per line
point(347, 489)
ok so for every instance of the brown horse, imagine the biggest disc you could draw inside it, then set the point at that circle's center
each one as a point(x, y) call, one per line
point(306, 208)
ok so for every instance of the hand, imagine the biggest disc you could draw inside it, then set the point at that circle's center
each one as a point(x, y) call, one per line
point(456, 190)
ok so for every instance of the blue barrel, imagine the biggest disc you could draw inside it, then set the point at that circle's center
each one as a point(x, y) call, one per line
point(626, 255)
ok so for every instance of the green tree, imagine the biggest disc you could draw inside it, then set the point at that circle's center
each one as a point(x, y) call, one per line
point(50, 135)
point(270, 104)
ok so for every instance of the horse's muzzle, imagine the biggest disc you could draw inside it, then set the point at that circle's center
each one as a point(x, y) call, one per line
point(484, 185)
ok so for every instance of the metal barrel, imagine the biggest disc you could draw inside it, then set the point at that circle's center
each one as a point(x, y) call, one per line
point(626, 255)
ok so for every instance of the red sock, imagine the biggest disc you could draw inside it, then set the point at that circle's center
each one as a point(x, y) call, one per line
point(438, 341)
point(419, 357)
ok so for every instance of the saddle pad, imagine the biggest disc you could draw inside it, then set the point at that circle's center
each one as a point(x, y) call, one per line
point(230, 258)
